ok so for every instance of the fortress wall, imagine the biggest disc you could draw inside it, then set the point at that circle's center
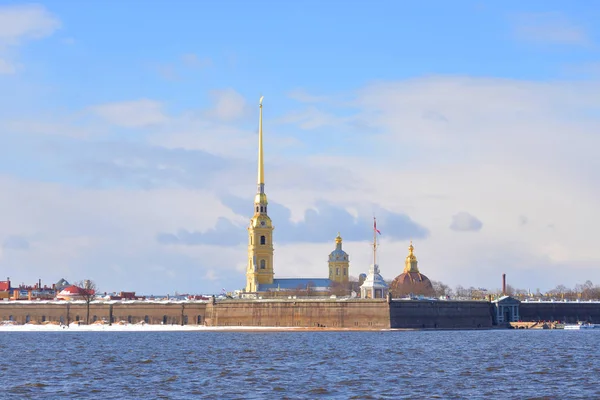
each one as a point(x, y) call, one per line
point(154, 313)
point(357, 314)
point(419, 314)
point(300, 313)
point(570, 312)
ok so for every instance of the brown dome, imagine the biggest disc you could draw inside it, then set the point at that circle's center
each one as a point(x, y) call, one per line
point(411, 283)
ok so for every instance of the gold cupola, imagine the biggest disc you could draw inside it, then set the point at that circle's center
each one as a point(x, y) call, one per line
point(410, 265)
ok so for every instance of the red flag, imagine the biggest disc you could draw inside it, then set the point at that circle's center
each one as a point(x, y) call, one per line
point(375, 226)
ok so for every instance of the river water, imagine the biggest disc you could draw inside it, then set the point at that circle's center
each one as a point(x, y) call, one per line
point(532, 364)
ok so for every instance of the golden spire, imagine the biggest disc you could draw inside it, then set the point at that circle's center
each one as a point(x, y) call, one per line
point(338, 239)
point(261, 172)
point(411, 249)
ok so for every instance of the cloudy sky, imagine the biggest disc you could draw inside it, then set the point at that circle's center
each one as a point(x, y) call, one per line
point(129, 131)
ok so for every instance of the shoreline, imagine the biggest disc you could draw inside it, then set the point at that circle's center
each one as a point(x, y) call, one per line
point(196, 328)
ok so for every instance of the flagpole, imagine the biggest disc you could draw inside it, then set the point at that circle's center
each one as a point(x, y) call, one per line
point(374, 242)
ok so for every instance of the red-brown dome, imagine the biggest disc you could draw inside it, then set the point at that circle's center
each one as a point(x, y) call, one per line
point(411, 283)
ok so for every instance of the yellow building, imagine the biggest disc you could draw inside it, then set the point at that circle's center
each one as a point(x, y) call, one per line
point(260, 232)
point(260, 271)
point(339, 263)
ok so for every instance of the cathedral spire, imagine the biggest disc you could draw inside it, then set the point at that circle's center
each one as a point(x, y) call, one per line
point(261, 169)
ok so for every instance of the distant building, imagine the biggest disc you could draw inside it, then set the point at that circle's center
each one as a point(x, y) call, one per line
point(339, 263)
point(411, 281)
point(70, 293)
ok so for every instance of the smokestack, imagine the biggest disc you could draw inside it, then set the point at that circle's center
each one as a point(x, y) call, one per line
point(504, 284)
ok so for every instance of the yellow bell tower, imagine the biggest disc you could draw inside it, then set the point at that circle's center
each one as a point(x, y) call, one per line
point(260, 231)
point(339, 264)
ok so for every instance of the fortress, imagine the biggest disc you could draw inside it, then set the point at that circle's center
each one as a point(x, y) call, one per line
point(267, 301)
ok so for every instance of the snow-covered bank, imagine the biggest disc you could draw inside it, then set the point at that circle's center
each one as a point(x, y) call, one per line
point(130, 328)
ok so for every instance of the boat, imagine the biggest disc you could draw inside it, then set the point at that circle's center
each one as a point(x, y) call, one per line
point(581, 326)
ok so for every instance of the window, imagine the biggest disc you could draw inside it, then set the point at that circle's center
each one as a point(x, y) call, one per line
point(256, 208)
point(337, 271)
point(263, 264)
point(344, 271)
point(146, 319)
point(261, 208)
point(199, 319)
point(263, 240)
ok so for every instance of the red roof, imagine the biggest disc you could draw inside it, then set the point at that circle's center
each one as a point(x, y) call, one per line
point(4, 286)
point(71, 290)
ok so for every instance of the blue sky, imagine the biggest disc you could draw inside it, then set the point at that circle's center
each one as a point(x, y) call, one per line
point(128, 136)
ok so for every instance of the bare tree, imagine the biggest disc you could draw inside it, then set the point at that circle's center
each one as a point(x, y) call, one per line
point(87, 291)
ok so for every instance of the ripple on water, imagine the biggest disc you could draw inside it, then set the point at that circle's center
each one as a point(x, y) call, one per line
point(301, 365)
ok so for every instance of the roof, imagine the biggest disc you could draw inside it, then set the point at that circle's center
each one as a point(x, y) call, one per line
point(338, 255)
point(4, 286)
point(70, 290)
point(506, 300)
point(295, 283)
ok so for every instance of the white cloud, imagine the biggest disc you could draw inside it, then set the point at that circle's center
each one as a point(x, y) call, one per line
point(550, 28)
point(229, 105)
point(19, 23)
point(132, 114)
point(464, 222)
point(500, 149)
point(26, 22)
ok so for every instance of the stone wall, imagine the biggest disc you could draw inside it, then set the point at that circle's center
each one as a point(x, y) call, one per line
point(131, 312)
point(570, 312)
point(433, 314)
point(326, 313)
point(300, 313)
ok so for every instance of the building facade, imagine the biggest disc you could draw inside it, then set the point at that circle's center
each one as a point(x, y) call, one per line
point(339, 263)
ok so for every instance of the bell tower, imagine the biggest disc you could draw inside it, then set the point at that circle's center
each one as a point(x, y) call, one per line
point(260, 231)
point(339, 263)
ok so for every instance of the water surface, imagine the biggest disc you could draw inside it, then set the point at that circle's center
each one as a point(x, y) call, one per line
point(301, 365)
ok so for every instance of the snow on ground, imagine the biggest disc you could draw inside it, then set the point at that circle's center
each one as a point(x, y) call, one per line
point(128, 328)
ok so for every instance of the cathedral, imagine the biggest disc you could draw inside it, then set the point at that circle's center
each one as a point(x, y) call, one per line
point(260, 275)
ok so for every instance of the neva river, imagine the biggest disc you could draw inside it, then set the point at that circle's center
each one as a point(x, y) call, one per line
point(533, 364)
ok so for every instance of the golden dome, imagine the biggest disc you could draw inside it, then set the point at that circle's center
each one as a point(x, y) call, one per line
point(260, 198)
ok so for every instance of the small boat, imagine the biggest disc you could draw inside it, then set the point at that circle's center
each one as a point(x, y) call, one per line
point(581, 326)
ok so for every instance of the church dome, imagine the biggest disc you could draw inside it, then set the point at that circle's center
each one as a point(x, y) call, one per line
point(338, 254)
point(411, 281)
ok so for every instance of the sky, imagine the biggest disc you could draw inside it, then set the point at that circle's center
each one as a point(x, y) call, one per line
point(128, 134)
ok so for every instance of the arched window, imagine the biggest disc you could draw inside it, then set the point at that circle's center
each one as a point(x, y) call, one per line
point(164, 321)
point(261, 208)
point(146, 319)
point(263, 264)
point(256, 208)
point(263, 240)
point(337, 271)
point(43, 318)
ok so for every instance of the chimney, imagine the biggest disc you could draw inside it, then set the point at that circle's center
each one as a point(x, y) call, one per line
point(504, 284)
